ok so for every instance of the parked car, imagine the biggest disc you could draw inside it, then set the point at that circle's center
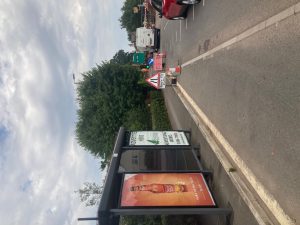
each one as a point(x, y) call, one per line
point(173, 9)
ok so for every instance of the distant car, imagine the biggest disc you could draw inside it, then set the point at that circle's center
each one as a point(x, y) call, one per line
point(173, 9)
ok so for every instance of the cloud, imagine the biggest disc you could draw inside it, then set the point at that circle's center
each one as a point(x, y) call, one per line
point(26, 185)
point(42, 43)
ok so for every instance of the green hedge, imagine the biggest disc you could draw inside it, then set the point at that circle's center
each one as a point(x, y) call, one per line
point(157, 119)
point(159, 114)
point(138, 119)
point(141, 220)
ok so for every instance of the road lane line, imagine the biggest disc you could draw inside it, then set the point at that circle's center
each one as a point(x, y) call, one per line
point(176, 36)
point(186, 23)
point(253, 30)
point(166, 24)
point(226, 155)
point(203, 2)
point(193, 12)
point(180, 31)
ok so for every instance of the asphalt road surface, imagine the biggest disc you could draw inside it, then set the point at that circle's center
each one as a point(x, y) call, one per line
point(246, 79)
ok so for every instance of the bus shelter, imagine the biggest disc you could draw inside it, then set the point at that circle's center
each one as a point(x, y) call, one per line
point(155, 173)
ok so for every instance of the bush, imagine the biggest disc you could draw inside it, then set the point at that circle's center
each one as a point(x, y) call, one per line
point(159, 114)
point(141, 220)
point(138, 119)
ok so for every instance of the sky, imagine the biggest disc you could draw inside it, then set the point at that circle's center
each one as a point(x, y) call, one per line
point(42, 43)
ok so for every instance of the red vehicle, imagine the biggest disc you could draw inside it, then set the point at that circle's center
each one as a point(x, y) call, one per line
point(173, 9)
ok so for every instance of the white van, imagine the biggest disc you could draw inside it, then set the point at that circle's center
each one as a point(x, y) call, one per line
point(147, 39)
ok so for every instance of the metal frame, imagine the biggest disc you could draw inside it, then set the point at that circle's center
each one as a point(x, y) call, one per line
point(167, 147)
point(171, 211)
point(109, 210)
point(205, 173)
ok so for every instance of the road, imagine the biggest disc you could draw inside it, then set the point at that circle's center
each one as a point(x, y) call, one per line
point(241, 65)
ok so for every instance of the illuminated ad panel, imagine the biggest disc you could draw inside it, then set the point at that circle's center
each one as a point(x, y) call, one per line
point(148, 138)
point(165, 189)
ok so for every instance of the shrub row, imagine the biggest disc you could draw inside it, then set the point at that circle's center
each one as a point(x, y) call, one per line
point(159, 114)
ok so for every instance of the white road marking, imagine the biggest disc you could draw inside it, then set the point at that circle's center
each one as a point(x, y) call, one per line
point(176, 36)
point(166, 24)
point(180, 31)
point(203, 2)
point(226, 155)
point(193, 12)
point(186, 23)
point(259, 27)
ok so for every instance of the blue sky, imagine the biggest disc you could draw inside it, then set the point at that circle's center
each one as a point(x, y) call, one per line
point(42, 43)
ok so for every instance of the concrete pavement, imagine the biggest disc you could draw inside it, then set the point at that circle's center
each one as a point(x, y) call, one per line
point(250, 89)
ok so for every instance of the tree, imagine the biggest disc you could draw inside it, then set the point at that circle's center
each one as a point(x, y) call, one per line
point(90, 194)
point(122, 57)
point(129, 20)
point(105, 95)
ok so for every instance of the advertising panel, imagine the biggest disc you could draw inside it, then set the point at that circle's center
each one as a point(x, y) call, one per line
point(146, 138)
point(165, 189)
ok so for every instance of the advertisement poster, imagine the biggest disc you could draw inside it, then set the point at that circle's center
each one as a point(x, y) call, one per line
point(139, 138)
point(165, 189)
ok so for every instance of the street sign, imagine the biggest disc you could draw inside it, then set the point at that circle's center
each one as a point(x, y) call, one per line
point(139, 58)
point(157, 81)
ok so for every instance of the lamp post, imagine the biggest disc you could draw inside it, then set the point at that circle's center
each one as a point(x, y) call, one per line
point(87, 218)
